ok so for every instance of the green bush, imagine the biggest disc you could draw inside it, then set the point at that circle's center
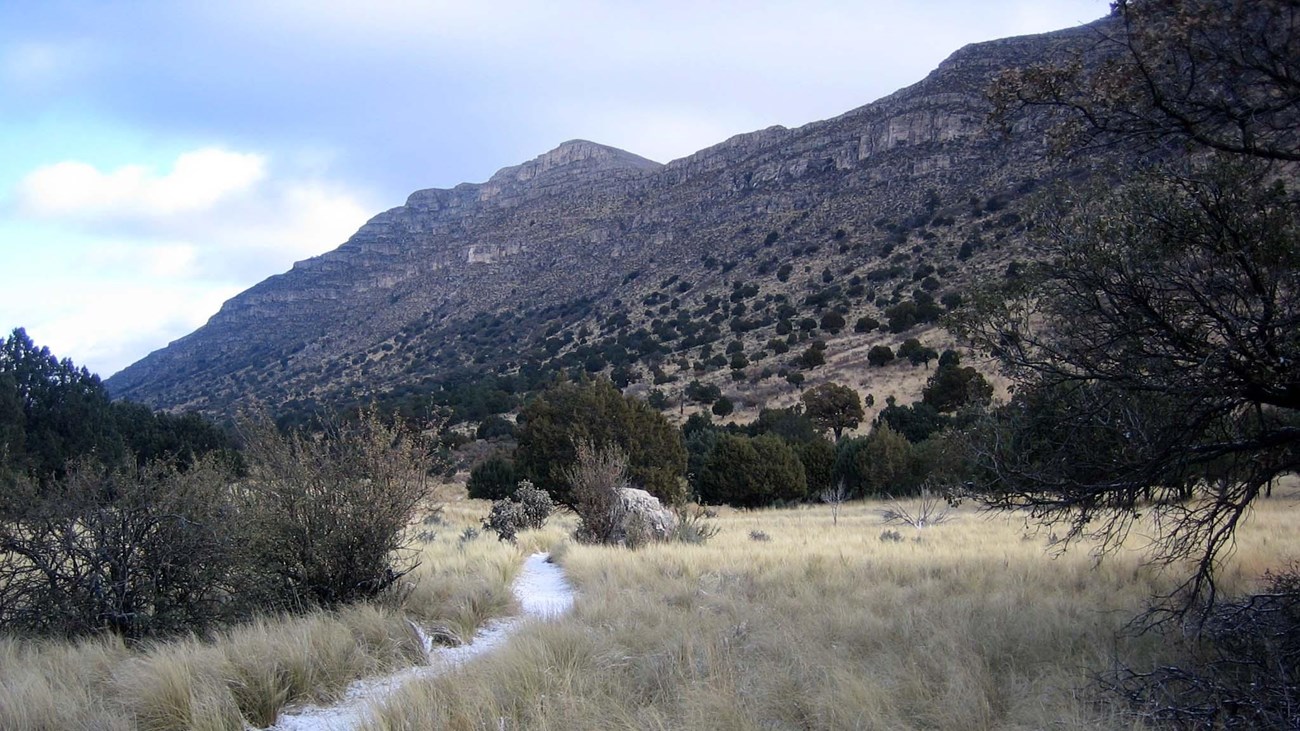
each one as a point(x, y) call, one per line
point(880, 355)
point(328, 512)
point(495, 427)
point(878, 464)
point(558, 418)
point(866, 324)
point(492, 479)
point(747, 472)
point(953, 386)
point(529, 507)
point(832, 322)
point(811, 358)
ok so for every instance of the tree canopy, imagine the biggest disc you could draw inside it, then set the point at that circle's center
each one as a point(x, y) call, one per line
point(53, 412)
point(833, 406)
point(557, 419)
point(1153, 350)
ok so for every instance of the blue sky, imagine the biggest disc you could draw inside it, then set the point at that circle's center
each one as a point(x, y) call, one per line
point(157, 158)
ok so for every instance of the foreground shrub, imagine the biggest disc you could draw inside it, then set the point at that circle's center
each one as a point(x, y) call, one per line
point(329, 513)
point(594, 481)
point(132, 551)
point(693, 525)
point(534, 504)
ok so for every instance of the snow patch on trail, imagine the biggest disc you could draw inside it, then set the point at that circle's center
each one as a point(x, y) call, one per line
point(543, 593)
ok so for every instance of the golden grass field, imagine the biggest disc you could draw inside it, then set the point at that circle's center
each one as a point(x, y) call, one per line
point(972, 624)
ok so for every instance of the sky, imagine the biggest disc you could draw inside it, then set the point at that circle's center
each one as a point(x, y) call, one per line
point(158, 158)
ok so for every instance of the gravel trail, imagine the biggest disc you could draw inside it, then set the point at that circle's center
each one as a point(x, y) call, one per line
point(543, 593)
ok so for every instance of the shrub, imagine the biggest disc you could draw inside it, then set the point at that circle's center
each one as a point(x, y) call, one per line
point(832, 322)
point(493, 479)
point(133, 551)
point(535, 505)
point(599, 414)
point(818, 459)
point(692, 525)
point(329, 513)
point(866, 324)
point(528, 508)
point(751, 472)
point(723, 407)
point(953, 386)
point(495, 426)
point(596, 476)
point(878, 464)
point(812, 358)
point(915, 422)
point(1242, 668)
point(880, 355)
point(705, 393)
point(505, 519)
point(657, 398)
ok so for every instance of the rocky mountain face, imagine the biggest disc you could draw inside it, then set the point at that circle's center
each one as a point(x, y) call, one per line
point(592, 258)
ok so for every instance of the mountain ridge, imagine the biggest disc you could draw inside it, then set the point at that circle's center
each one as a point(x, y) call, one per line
point(583, 221)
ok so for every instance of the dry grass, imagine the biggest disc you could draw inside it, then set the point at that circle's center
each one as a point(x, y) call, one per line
point(972, 624)
point(252, 671)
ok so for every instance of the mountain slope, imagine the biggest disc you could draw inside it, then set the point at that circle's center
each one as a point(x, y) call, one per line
point(589, 257)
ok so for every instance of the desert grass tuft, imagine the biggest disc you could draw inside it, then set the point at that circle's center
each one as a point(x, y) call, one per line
point(49, 686)
point(177, 687)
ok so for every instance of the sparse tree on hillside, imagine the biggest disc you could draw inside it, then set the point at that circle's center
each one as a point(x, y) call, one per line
point(880, 355)
point(953, 386)
point(833, 406)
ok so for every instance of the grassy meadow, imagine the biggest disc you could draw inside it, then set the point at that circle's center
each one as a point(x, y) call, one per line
point(786, 619)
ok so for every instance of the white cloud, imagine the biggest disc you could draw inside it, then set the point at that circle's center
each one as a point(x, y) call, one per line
point(198, 180)
point(107, 324)
point(133, 259)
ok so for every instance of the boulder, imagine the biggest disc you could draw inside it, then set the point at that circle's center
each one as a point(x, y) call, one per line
point(644, 517)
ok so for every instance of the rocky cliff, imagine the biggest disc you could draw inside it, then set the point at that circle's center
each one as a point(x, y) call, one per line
point(586, 252)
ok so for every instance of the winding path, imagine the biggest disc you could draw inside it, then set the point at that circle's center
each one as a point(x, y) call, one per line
point(543, 593)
